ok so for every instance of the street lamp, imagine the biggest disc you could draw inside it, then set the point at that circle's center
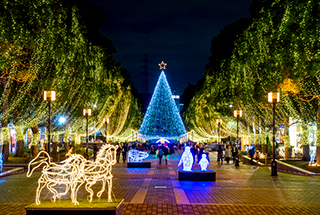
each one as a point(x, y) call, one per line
point(49, 96)
point(87, 113)
point(237, 114)
point(273, 97)
point(106, 121)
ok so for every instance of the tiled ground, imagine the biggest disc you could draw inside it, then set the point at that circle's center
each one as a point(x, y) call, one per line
point(238, 190)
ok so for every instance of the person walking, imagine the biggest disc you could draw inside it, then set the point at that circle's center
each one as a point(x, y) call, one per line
point(118, 152)
point(227, 154)
point(220, 155)
point(200, 152)
point(160, 154)
point(251, 154)
point(165, 152)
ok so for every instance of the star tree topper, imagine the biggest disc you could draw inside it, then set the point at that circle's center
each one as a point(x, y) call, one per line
point(162, 65)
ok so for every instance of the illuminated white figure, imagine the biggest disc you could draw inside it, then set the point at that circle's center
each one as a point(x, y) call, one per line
point(74, 172)
point(186, 159)
point(281, 153)
point(100, 170)
point(313, 156)
point(262, 156)
point(1, 161)
point(162, 141)
point(136, 155)
point(67, 174)
point(204, 162)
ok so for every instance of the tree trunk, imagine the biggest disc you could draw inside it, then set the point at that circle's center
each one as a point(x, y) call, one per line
point(34, 151)
point(287, 153)
point(5, 106)
point(318, 133)
point(20, 148)
point(304, 138)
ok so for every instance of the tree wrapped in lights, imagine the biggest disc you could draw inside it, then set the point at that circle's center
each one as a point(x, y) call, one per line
point(162, 118)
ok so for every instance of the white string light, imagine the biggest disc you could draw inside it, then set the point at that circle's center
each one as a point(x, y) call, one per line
point(74, 172)
point(136, 155)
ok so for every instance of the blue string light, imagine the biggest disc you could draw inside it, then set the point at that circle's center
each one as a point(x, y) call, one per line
point(162, 118)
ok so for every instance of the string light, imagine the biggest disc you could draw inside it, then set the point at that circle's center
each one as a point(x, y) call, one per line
point(74, 172)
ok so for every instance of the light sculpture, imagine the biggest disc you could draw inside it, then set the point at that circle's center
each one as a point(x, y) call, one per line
point(1, 162)
point(312, 156)
point(162, 118)
point(162, 140)
point(186, 159)
point(136, 155)
point(74, 172)
point(204, 162)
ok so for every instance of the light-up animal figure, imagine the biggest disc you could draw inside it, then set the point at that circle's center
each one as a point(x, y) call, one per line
point(204, 162)
point(74, 172)
point(1, 161)
point(186, 159)
point(136, 155)
point(100, 170)
point(68, 174)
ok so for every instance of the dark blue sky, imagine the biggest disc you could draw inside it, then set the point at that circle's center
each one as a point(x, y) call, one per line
point(178, 32)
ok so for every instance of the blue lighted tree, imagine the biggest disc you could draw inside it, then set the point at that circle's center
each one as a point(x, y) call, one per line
point(162, 118)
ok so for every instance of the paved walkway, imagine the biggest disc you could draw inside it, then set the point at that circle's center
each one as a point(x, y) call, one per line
point(237, 190)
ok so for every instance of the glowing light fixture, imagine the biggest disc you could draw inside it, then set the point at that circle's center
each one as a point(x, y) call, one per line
point(62, 120)
point(237, 113)
point(49, 95)
point(273, 97)
point(162, 65)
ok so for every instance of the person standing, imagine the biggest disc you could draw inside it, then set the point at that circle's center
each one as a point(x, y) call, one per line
point(160, 153)
point(220, 155)
point(234, 153)
point(227, 154)
point(200, 152)
point(124, 152)
point(118, 152)
point(251, 154)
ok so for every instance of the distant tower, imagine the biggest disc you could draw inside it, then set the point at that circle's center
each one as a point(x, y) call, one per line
point(145, 73)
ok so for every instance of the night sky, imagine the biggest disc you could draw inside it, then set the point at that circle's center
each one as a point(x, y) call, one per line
point(175, 31)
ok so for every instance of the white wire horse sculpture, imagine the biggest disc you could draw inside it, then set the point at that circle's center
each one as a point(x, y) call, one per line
point(67, 174)
point(74, 172)
point(100, 170)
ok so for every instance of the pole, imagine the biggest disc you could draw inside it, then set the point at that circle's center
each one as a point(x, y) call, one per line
point(274, 163)
point(238, 130)
point(95, 131)
point(87, 135)
point(49, 127)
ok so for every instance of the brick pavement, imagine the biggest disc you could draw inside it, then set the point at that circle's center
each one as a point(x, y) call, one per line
point(238, 190)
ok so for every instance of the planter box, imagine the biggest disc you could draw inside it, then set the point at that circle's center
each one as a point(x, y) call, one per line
point(197, 175)
point(144, 164)
point(66, 207)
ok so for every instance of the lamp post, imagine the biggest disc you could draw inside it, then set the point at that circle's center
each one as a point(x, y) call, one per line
point(273, 97)
point(237, 114)
point(106, 121)
point(87, 113)
point(49, 96)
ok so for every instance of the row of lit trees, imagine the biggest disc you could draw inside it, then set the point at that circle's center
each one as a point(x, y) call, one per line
point(268, 53)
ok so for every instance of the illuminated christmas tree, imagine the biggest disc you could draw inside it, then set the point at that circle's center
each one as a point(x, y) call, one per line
point(162, 118)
